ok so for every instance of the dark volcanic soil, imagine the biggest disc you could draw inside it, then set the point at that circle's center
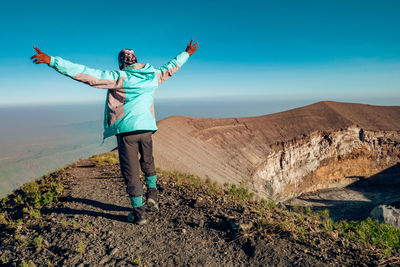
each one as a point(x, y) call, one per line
point(88, 227)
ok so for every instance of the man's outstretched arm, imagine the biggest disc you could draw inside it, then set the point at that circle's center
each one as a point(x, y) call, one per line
point(96, 78)
point(167, 70)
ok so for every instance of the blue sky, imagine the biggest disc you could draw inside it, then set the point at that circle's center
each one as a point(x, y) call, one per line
point(322, 50)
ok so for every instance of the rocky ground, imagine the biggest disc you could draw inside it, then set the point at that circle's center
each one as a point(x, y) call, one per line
point(353, 202)
point(197, 225)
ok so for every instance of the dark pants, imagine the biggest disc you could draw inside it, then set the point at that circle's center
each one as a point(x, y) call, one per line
point(129, 145)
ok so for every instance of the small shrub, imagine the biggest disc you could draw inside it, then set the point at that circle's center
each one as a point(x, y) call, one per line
point(4, 202)
point(105, 159)
point(38, 241)
point(80, 247)
point(74, 224)
point(328, 225)
point(3, 217)
point(271, 204)
point(263, 222)
point(58, 187)
point(34, 213)
point(88, 226)
point(19, 200)
point(287, 225)
point(301, 231)
point(10, 224)
point(19, 223)
point(261, 209)
point(63, 223)
point(300, 218)
point(25, 244)
point(17, 235)
point(213, 188)
point(240, 192)
point(196, 181)
point(296, 208)
point(31, 189)
point(313, 243)
point(47, 198)
point(307, 211)
point(323, 214)
point(23, 264)
point(138, 261)
point(36, 202)
point(179, 178)
point(371, 232)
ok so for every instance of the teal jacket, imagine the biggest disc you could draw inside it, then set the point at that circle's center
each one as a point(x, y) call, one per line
point(130, 97)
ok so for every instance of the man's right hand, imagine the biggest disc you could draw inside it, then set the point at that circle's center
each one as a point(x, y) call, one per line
point(191, 48)
point(40, 57)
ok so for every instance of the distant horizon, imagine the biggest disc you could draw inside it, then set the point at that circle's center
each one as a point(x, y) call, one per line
point(382, 101)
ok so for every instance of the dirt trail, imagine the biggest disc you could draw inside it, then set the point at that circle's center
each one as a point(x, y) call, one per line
point(173, 236)
point(88, 227)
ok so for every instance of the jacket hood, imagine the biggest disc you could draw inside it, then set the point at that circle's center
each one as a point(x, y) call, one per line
point(140, 68)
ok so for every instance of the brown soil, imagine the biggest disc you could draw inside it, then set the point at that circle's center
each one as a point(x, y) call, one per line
point(88, 227)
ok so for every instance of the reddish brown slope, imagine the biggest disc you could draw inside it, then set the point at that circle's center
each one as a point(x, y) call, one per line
point(286, 125)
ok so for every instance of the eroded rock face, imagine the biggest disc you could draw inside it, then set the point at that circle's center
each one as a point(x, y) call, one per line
point(324, 160)
point(386, 214)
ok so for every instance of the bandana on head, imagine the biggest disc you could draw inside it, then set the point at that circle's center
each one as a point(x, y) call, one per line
point(126, 57)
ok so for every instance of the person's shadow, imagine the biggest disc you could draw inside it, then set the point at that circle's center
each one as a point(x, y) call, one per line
point(94, 203)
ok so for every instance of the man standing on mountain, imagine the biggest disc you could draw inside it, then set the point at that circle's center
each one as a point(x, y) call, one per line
point(129, 114)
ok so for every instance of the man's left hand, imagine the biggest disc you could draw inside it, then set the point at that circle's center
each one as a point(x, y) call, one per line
point(40, 57)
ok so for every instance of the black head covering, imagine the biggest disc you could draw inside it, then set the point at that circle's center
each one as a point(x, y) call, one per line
point(126, 57)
